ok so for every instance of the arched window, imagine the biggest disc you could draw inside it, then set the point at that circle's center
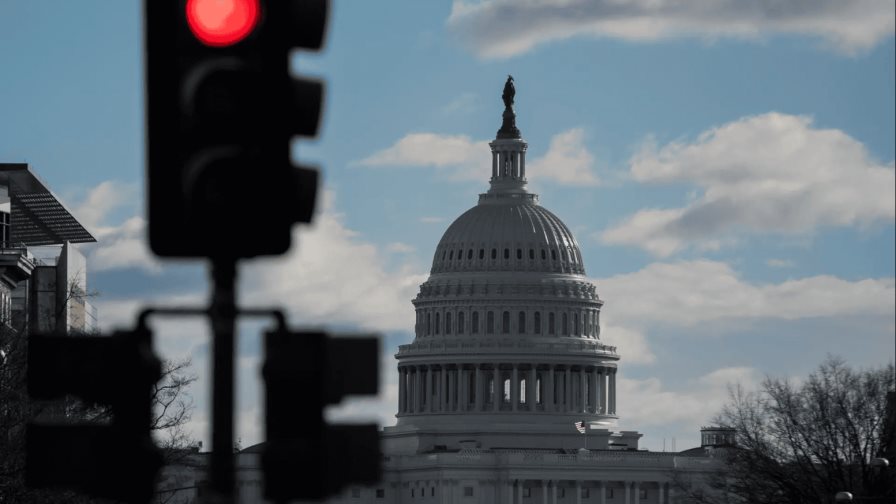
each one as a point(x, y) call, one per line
point(536, 324)
point(522, 389)
point(505, 322)
point(506, 398)
point(470, 254)
point(519, 254)
point(553, 255)
point(506, 253)
point(551, 323)
point(475, 328)
point(460, 323)
point(575, 323)
point(531, 253)
point(428, 323)
point(448, 323)
point(490, 323)
point(543, 255)
point(521, 323)
point(565, 324)
point(443, 254)
point(539, 393)
point(494, 253)
point(451, 256)
point(460, 254)
point(437, 323)
point(481, 253)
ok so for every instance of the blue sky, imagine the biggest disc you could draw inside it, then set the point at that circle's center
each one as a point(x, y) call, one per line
point(728, 174)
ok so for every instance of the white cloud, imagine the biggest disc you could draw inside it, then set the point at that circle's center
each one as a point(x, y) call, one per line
point(688, 293)
point(463, 104)
point(428, 219)
point(772, 173)
point(567, 161)
point(504, 28)
point(630, 343)
point(467, 159)
point(331, 275)
point(647, 402)
point(779, 263)
point(400, 248)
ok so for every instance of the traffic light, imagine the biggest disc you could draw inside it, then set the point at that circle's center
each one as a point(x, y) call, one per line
point(117, 459)
point(304, 458)
point(221, 110)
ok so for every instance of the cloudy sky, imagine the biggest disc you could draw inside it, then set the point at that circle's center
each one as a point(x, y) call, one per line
point(727, 167)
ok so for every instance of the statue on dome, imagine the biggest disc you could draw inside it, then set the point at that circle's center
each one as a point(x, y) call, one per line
point(509, 92)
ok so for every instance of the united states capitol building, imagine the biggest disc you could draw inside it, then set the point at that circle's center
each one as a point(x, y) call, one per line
point(507, 392)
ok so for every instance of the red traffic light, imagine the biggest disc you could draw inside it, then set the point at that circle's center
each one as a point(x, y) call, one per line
point(220, 23)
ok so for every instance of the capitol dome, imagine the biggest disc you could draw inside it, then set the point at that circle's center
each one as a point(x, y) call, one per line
point(507, 349)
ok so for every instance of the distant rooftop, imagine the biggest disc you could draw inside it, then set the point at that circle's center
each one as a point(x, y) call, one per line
point(37, 217)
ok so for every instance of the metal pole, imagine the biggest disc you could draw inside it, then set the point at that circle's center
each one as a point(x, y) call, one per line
point(222, 313)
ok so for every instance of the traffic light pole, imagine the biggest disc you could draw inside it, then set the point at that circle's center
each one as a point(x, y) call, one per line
point(222, 313)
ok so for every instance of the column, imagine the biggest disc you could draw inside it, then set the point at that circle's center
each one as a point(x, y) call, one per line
point(601, 492)
point(443, 389)
point(417, 390)
point(567, 390)
point(592, 389)
point(603, 391)
point(544, 492)
point(549, 390)
point(636, 492)
point(402, 390)
point(494, 164)
point(554, 492)
point(515, 388)
point(463, 399)
point(531, 387)
point(510, 485)
point(661, 489)
point(612, 405)
point(477, 393)
point(452, 389)
point(523, 172)
point(496, 393)
point(582, 390)
point(578, 491)
point(628, 493)
point(428, 392)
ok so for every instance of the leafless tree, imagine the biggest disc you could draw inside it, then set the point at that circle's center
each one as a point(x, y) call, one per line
point(801, 443)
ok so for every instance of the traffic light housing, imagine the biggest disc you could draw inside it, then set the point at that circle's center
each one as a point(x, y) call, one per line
point(118, 459)
point(221, 110)
point(304, 372)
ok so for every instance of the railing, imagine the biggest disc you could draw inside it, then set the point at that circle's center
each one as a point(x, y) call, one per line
point(506, 343)
point(602, 458)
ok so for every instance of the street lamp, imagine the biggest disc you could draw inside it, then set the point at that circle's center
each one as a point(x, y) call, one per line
point(878, 462)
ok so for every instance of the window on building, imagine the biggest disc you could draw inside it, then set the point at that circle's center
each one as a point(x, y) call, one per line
point(519, 253)
point(586, 493)
point(451, 256)
point(481, 254)
point(4, 229)
point(506, 398)
point(531, 253)
point(428, 323)
point(460, 254)
point(561, 492)
point(470, 254)
point(553, 255)
point(490, 323)
point(380, 493)
point(522, 388)
point(505, 322)
point(527, 492)
point(494, 253)
point(438, 324)
point(460, 323)
point(609, 493)
point(642, 494)
point(448, 323)
point(506, 253)
point(432, 491)
point(475, 328)
point(543, 255)
point(575, 323)
point(412, 492)
point(468, 491)
point(522, 322)
point(539, 393)
point(564, 324)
